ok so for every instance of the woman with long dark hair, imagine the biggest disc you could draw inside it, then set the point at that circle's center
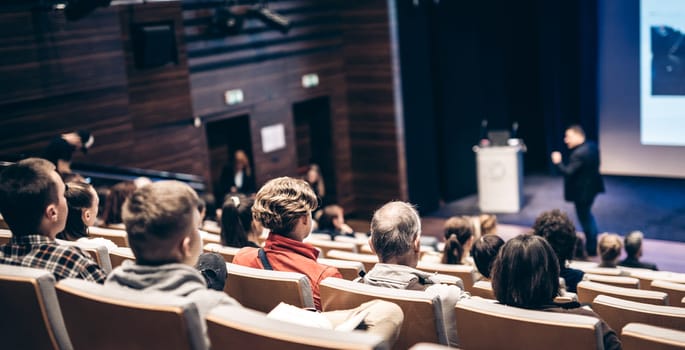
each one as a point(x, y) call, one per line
point(237, 226)
point(83, 202)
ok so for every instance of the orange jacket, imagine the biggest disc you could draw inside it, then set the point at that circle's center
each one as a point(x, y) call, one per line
point(285, 254)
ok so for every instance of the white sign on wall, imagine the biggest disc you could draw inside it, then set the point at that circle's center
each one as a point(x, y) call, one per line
point(273, 138)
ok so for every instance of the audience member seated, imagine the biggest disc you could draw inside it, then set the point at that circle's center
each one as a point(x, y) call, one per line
point(237, 177)
point(633, 246)
point(332, 221)
point(237, 227)
point(284, 206)
point(111, 214)
point(396, 240)
point(83, 203)
point(609, 249)
point(162, 223)
point(558, 230)
point(33, 205)
point(315, 179)
point(525, 274)
point(484, 251)
point(458, 240)
point(488, 224)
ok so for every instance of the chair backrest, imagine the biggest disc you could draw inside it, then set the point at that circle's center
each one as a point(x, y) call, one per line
point(5, 236)
point(262, 290)
point(97, 252)
point(483, 289)
point(464, 272)
point(587, 291)
point(675, 291)
point(429, 346)
point(120, 254)
point(525, 329)
point(31, 317)
point(239, 328)
point(606, 271)
point(326, 246)
point(618, 281)
point(423, 319)
point(647, 276)
point(210, 237)
point(117, 236)
point(100, 317)
point(637, 336)
point(348, 269)
point(618, 312)
point(227, 252)
point(368, 260)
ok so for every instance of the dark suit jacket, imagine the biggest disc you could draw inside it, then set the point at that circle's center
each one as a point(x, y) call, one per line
point(582, 180)
point(631, 262)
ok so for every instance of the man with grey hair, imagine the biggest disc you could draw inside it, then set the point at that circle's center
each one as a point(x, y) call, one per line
point(396, 240)
point(633, 246)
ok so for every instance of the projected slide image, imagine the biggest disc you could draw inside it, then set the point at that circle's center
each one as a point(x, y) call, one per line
point(668, 61)
point(662, 72)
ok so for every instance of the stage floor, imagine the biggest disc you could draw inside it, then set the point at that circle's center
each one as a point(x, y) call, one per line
point(652, 205)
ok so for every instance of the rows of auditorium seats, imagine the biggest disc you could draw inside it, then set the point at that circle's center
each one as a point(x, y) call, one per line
point(647, 308)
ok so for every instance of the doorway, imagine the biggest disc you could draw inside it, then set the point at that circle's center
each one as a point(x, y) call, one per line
point(314, 142)
point(224, 137)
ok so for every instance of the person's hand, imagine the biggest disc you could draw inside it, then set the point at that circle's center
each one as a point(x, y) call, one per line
point(556, 157)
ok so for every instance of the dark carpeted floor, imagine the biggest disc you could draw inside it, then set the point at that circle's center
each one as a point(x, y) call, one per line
point(653, 205)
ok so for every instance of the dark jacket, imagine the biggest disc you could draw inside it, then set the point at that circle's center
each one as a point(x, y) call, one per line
point(582, 180)
point(632, 262)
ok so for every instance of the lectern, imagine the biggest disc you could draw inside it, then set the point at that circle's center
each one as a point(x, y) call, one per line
point(500, 178)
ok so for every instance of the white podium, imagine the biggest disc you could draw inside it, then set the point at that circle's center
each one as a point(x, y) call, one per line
point(500, 178)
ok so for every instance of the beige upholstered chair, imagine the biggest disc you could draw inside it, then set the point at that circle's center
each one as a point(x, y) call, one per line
point(234, 328)
point(227, 252)
point(606, 271)
point(675, 291)
point(618, 312)
point(637, 336)
point(117, 236)
point(349, 269)
point(368, 260)
point(120, 254)
point(423, 321)
point(262, 290)
point(429, 346)
point(587, 291)
point(326, 246)
point(210, 237)
point(617, 281)
point(5, 236)
point(647, 276)
point(360, 240)
point(464, 272)
point(483, 289)
point(98, 317)
point(98, 253)
point(31, 316)
point(523, 329)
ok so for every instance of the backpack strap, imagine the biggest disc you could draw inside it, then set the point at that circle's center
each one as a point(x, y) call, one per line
point(265, 261)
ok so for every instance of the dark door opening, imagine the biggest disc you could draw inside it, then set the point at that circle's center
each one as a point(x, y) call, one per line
point(224, 137)
point(314, 142)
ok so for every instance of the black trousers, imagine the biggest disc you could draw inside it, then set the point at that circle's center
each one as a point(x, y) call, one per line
point(587, 222)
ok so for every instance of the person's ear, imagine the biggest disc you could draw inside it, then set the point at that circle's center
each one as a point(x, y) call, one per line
point(373, 250)
point(51, 213)
point(417, 243)
point(85, 215)
point(185, 247)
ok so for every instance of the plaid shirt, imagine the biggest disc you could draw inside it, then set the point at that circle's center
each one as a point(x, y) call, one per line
point(41, 252)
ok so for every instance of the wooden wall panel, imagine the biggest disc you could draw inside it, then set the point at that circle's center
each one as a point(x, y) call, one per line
point(375, 136)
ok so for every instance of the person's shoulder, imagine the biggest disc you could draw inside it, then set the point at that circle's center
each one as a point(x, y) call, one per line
point(245, 256)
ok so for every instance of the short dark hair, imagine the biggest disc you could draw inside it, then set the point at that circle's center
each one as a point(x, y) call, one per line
point(526, 273)
point(236, 221)
point(577, 129)
point(157, 216)
point(79, 196)
point(458, 230)
point(328, 214)
point(26, 189)
point(556, 227)
point(484, 251)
